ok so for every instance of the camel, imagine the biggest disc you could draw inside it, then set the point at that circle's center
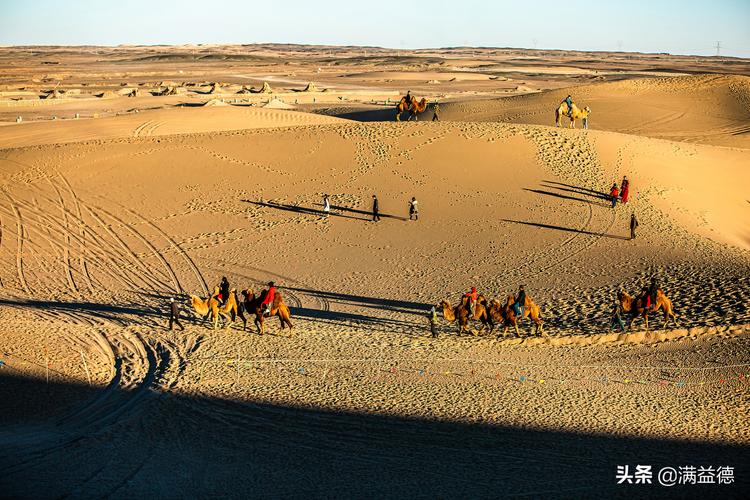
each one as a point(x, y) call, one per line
point(278, 308)
point(412, 107)
point(500, 314)
point(530, 309)
point(562, 110)
point(636, 306)
point(211, 306)
point(462, 314)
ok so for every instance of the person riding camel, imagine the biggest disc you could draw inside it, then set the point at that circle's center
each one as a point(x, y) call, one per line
point(408, 97)
point(471, 300)
point(569, 101)
point(270, 294)
point(652, 294)
point(520, 303)
point(223, 290)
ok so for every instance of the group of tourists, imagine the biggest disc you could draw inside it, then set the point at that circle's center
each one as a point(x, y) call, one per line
point(620, 193)
point(221, 294)
point(413, 207)
point(469, 301)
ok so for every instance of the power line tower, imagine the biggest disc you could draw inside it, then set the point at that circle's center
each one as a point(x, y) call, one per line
point(718, 48)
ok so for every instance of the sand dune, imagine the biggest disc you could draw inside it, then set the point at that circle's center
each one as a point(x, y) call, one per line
point(103, 220)
point(700, 109)
point(155, 122)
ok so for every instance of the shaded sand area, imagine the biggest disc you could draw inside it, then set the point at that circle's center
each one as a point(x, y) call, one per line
point(97, 235)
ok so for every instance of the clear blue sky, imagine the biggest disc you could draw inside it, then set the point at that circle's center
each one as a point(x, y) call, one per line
point(679, 27)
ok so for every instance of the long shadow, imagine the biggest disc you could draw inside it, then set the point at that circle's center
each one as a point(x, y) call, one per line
point(566, 197)
point(393, 305)
point(366, 212)
point(568, 229)
point(108, 312)
point(178, 445)
point(300, 210)
point(344, 318)
point(578, 189)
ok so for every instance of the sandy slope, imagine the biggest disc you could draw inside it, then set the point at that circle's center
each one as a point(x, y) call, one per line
point(707, 109)
point(96, 235)
point(154, 122)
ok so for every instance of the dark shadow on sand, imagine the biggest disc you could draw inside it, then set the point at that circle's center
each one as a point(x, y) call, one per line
point(566, 197)
point(568, 229)
point(167, 444)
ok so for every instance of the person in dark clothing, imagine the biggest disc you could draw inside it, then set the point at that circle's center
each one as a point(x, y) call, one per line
point(433, 317)
point(375, 209)
point(520, 303)
point(436, 113)
point(652, 293)
point(633, 225)
point(224, 290)
point(174, 314)
point(617, 314)
point(408, 97)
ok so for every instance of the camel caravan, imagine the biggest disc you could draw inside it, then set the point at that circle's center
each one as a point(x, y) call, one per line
point(224, 303)
point(491, 313)
point(495, 312)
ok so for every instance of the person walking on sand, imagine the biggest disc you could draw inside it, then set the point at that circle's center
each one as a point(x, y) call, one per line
point(614, 193)
point(624, 190)
point(617, 314)
point(413, 210)
point(174, 314)
point(436, 113)
point(433, 317)
point(633, 225)
point(326, 205)
point(375, 209)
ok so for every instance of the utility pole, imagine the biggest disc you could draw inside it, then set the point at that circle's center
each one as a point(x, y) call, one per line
point(718, 48)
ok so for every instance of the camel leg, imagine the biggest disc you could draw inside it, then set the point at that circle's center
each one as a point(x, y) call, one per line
point(515, 324)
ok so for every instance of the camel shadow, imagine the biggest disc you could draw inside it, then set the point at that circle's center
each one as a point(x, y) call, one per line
point(567, 229)
point(390, 305)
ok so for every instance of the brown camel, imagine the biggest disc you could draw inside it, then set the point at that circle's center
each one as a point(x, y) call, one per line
point(530, 309)
point(463, 315)
point(211, 306)
point(636, 306)
point(412, 107)
point(500, 314)
point(278, 308)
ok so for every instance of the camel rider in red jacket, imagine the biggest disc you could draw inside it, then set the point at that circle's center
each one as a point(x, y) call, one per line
point(268, 300)
point(472, 298)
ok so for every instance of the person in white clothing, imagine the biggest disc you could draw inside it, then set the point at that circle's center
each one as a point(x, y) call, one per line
point(326, 204)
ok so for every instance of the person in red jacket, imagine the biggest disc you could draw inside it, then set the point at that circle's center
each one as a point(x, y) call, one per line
point(471, 299)
point(614, 193)
point(624, 190)
point(268, 299)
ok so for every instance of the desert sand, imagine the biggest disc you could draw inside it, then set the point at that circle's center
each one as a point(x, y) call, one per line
point(103, 218)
